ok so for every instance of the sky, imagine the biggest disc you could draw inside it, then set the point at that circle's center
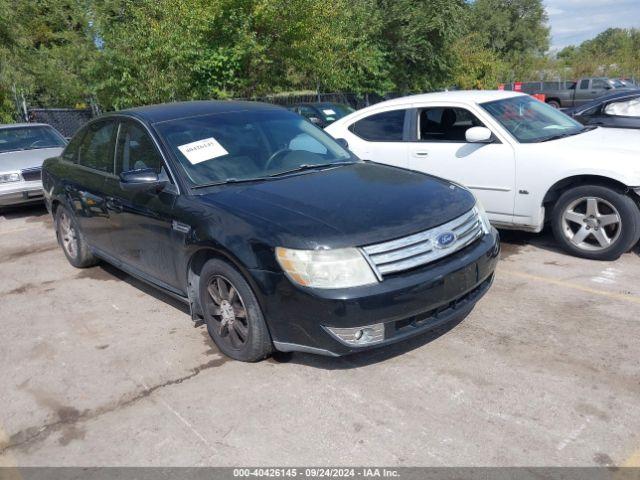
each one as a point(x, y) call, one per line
point(573, 21)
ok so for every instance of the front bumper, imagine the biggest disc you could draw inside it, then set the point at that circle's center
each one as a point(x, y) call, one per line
point(17, 193)
point(408, 304)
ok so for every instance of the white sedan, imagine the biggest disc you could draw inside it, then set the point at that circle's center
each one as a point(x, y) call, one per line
point(528, 163)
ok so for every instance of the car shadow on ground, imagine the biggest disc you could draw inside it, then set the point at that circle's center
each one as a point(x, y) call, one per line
point(32, 212)
point(105, 271)
point(512, 241)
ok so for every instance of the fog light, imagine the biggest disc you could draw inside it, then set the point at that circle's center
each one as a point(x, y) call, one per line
point(359, 336)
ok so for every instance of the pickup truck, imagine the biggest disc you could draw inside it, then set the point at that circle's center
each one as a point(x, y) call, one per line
point(570, 94)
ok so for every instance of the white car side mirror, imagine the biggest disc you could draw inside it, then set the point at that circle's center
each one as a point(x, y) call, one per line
point(478, 135)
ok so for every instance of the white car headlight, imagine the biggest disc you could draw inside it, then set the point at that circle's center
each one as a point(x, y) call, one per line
point(9, 177)
point(484, 218)
point(339, 268)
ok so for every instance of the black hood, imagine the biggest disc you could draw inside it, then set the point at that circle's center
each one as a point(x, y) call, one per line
point(351, 205)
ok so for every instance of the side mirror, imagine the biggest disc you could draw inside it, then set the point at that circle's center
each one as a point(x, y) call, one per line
point(479, 135)
point(316, 121)
point(141, 180)
point(343, 143)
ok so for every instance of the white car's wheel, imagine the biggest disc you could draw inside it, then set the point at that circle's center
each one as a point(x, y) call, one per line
point(596, 222)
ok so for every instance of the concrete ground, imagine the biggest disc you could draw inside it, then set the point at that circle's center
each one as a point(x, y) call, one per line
point(99, 369)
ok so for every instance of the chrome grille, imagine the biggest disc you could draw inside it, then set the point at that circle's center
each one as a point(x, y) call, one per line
point(422, 248)
point(31, 174)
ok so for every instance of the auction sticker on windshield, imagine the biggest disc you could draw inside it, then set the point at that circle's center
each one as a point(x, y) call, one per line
point(202, 150)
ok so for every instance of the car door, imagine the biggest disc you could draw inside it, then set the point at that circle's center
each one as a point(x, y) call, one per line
point(91, 156)
point(380, 136)
point(583, 92)
point(438, 146)
point(141, 222)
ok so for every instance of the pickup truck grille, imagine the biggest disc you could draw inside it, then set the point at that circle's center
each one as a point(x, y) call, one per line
point(423, 247)
point(31, 174)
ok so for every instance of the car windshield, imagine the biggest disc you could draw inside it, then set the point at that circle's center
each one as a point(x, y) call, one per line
point(334, 111)
point(249, 145)
point(530, 120)
point(29, 138)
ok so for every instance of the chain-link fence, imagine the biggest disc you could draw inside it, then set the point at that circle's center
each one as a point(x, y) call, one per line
point(352, 99)
point(66, 120)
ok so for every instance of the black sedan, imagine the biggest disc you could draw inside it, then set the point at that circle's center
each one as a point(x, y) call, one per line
point(617, 110)
point(273, 234)
point(322, 114)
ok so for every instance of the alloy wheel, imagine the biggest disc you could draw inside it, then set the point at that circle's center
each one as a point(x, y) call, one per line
point(68, 235)
point(226, 307)
point(591, 223)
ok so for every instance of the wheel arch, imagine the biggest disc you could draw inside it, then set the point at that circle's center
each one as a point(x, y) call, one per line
point(197, 260)
point(561, 186)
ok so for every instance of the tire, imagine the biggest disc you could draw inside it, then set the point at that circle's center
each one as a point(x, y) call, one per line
point(554, 104)
point(596, 222)
point(231, 311)
point(72, 240)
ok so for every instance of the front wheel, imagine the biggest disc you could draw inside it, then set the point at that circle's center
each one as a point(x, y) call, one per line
point(596, 222)
point(232, 313)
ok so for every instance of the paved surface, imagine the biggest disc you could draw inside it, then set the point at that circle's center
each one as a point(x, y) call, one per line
point(98, 369)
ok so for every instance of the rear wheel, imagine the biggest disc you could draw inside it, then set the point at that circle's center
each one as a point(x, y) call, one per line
point(72, 240)
point(596, 222)
point(232, 313)
point(553, 103)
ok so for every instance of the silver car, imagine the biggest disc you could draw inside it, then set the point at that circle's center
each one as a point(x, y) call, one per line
point(23, 148)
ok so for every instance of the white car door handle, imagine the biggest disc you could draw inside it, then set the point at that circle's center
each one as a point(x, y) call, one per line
point(421, 153)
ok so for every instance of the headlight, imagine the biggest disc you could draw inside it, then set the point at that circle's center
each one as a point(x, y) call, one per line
point(9, 177)
point(339, 268)
point(484, 218)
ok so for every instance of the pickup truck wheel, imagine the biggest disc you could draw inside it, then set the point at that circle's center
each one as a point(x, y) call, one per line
point(231, 311)
point(72, 240)
point(553, 103)
point(596, 222)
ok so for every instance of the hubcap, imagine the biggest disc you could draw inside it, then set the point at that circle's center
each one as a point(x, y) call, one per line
point(68, 235)
point(226, 307)
point(591, 224)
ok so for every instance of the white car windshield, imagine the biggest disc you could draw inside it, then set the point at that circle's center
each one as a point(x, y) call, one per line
point(531, 121)
point(29, 138)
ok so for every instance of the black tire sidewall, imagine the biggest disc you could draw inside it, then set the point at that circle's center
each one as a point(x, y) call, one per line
point(629, 214)
point(84, 258)
point(554, 104)
point(259, 345)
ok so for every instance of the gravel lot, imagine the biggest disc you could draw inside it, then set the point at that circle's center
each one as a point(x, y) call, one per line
point(97, 368)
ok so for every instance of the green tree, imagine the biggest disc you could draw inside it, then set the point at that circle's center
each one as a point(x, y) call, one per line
point(516, 30)
point(417, 36)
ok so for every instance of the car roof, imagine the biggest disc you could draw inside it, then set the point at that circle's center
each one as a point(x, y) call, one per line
point(172, 111)
point(467, 96)
point(22, 125)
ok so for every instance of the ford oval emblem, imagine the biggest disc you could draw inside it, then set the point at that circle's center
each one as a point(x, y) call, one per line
point(445, 239)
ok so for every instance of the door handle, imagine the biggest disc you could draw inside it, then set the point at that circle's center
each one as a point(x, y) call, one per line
point(421, 154)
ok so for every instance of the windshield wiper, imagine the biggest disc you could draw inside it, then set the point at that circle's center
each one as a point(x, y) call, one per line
point(300, 168)
point(558, 136)
point(228, 181)
point(306, 166)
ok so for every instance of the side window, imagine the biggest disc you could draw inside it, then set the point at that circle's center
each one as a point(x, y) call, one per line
point(70, 153)
point(445, 124)
point(599, 84)
point(584, 84)
point(307, 112)
point(136, 150)
point(96, 149)
point(381, 127)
